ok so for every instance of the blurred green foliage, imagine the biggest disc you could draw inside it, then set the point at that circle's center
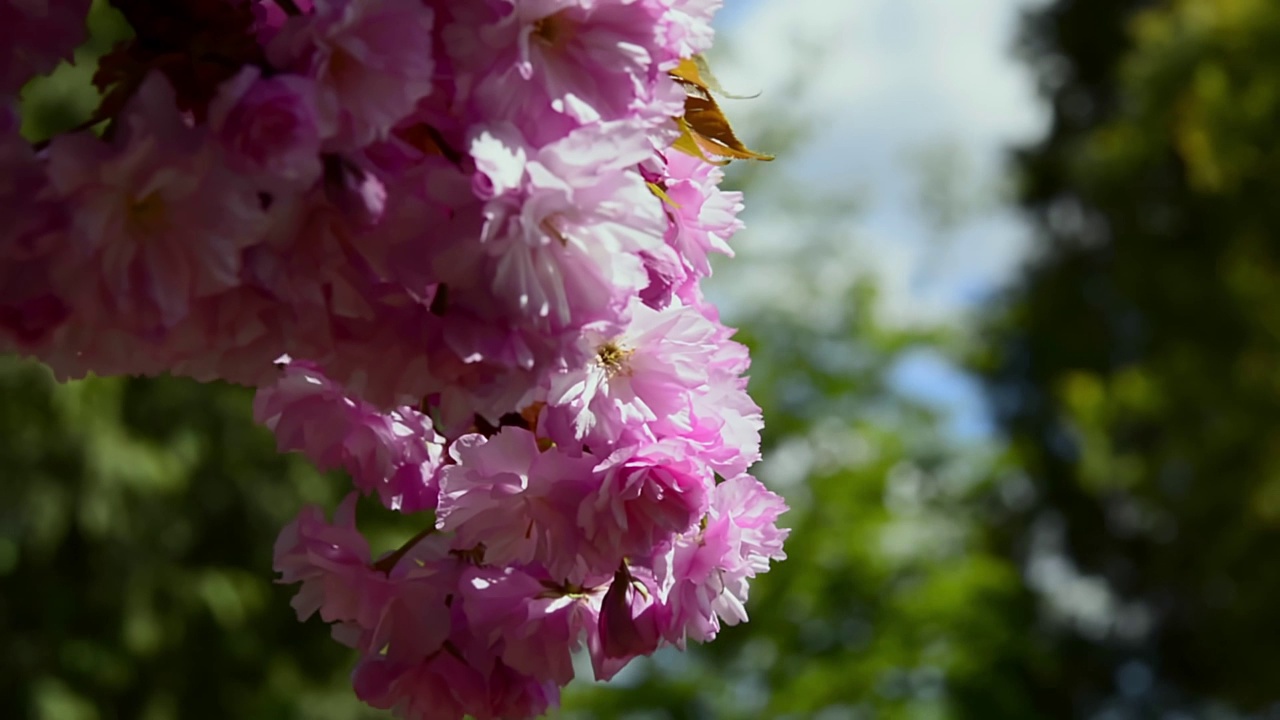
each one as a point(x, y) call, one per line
point(136, 524)
point(1136, 366)
point(1112, 561)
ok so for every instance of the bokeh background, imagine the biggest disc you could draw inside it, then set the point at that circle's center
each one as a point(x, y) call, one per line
point(1011, 290)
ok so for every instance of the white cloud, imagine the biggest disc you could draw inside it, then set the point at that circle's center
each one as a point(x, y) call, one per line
point(883, 77)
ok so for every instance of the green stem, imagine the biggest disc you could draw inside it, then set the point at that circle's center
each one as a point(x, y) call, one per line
point(386, 564)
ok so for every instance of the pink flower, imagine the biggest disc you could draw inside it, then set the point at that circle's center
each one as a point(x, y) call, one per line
point(630, 624)
point(270, 17)
point(646, 496)
point(371, 60)
point(519, 502)
point(330, 560)
point(397, 452)
point(725, 425)
point(711, 567)
point(167, 223)
point(685, 28)
point(359, 194)
point(438, 687)
point(535, 625)
point(702, 216)
point(461, 680)
point(638, 384)
point(269, 126)
point(35, 35)
point(565, 225)
point(551, 65)
point(398, 610)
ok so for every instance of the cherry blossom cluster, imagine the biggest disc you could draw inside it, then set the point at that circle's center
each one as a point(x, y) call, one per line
point(457, 247)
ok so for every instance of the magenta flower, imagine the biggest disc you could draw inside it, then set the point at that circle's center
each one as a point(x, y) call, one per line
point(37, 268)
point(371, 60)
point(461, 680)
point(646, 496)
point(702, 216)
point(630, 624)
point(685, 28)
point(270, 127)
point(725, 425)
point(534, 624)
point(470, 223)
point(396, 453)
point(167, 222)
point(399, 611)
point(551, 65)
point(519, 502)
point(331, 561)
point(437, 687)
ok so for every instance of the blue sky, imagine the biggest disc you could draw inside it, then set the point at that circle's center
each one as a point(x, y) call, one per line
point(892, 81)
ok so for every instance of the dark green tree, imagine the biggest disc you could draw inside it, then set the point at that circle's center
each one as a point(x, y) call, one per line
point(1136, 365)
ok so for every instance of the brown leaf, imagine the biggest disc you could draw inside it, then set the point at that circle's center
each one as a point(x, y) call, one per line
point(704, 130)
point(695, 73)
point(711, 130)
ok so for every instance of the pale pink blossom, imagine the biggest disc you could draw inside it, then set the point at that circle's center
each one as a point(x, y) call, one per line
point(551, 65)
point(565, 234)
point(685, 28)
point(711, 566)
point(639, 384)
point(399, 609)
point(703, 217)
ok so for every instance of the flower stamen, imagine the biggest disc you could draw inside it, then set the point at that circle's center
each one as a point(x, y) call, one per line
point(613, 358)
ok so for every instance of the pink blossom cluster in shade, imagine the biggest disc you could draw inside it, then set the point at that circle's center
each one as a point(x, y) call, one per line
point(451, 244)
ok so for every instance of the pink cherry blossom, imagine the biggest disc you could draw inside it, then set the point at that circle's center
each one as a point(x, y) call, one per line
point(516, 499)
point(396, 453)
point(639, 383)
point(685, 28)
point(535, 624)
point(565, 234)
point(711, 567)
point(399, 610)
point(646, 496)
point(631, 623)
point(166, 221)
point(702, 216)
point(269, 127)
point(371, 59)
point(34, 251)
point(551, 65)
